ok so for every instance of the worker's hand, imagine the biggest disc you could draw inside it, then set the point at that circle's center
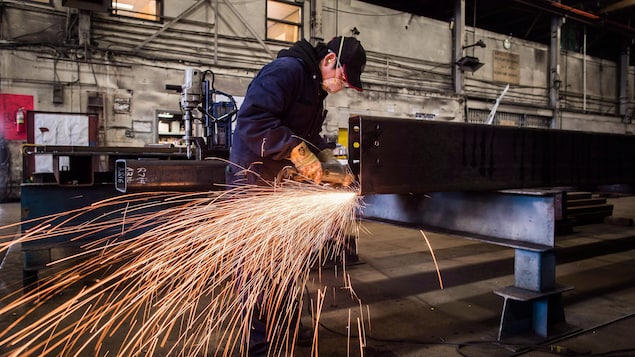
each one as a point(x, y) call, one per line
point(334, 172)
point(306, 162)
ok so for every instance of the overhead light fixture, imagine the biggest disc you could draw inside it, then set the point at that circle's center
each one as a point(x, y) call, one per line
point(123, 6)
point(479, 43)
point(469, 63)
point(165, 115)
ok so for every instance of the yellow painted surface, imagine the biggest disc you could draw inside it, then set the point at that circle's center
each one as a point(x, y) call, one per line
point(342, 137)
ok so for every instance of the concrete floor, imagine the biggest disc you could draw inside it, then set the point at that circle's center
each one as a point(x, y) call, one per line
point(410, 315)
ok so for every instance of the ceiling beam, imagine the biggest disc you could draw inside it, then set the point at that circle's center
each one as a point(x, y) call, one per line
point(582, 16)
point(617, 6)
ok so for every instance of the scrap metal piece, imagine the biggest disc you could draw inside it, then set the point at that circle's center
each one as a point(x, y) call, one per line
point(175, 175)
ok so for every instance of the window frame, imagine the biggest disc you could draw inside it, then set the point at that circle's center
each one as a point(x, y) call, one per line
point(131, 14)
point(43, 2)
point(299, 25)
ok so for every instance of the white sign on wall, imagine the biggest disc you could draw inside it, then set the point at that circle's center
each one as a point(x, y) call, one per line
point(58, 129)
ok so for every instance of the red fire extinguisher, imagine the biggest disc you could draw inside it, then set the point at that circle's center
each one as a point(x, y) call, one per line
point(19, 120)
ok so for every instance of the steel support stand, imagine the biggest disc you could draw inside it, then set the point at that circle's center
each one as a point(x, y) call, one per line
point(520, 219)
point(534, 302)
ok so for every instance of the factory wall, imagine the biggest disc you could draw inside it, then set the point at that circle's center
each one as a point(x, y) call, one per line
point(119, 67)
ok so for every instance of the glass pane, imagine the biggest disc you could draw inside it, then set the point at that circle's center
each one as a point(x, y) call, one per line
point(285, 12)
point(282, 32)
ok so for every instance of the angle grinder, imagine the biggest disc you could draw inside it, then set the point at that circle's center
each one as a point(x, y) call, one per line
point(333, 174)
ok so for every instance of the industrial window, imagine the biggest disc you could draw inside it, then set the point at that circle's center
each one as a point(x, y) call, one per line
point(510, 119)
point(140, 9)
point(284, 21)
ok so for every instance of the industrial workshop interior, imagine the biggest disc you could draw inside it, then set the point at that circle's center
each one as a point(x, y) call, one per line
point(484, 206)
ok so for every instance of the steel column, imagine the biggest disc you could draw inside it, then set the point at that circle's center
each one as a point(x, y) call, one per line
point(458, 34)
point(554, 70)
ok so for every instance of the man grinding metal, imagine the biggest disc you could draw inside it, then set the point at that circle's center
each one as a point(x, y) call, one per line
point(279, 123)
point(280, 120)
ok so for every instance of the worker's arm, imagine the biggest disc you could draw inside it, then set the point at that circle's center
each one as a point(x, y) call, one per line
point(264, 122)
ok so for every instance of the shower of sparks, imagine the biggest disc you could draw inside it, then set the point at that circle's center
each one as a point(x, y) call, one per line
point(180, 273)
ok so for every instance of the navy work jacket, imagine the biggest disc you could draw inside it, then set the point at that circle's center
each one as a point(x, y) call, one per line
point(283, 106)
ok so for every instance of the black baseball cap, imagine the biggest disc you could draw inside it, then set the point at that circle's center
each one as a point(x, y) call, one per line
point(352, 57)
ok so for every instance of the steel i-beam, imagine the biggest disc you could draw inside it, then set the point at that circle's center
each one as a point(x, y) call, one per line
point(432, 174)
point(407, 156)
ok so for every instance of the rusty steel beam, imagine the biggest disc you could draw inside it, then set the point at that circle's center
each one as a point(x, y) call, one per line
point(405, 156)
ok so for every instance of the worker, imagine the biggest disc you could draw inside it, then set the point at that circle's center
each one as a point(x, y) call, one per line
point(280, 120)
point(279, 123)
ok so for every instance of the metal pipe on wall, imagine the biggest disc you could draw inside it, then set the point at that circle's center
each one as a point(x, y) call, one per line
point(216, 32)
point(554, 71)
point(623, 79)
point(316, 22)
point(584, 91)
point(458, 33)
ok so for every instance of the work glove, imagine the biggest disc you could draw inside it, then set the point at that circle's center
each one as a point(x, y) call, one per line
point(306, 163)
point(332, 171)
